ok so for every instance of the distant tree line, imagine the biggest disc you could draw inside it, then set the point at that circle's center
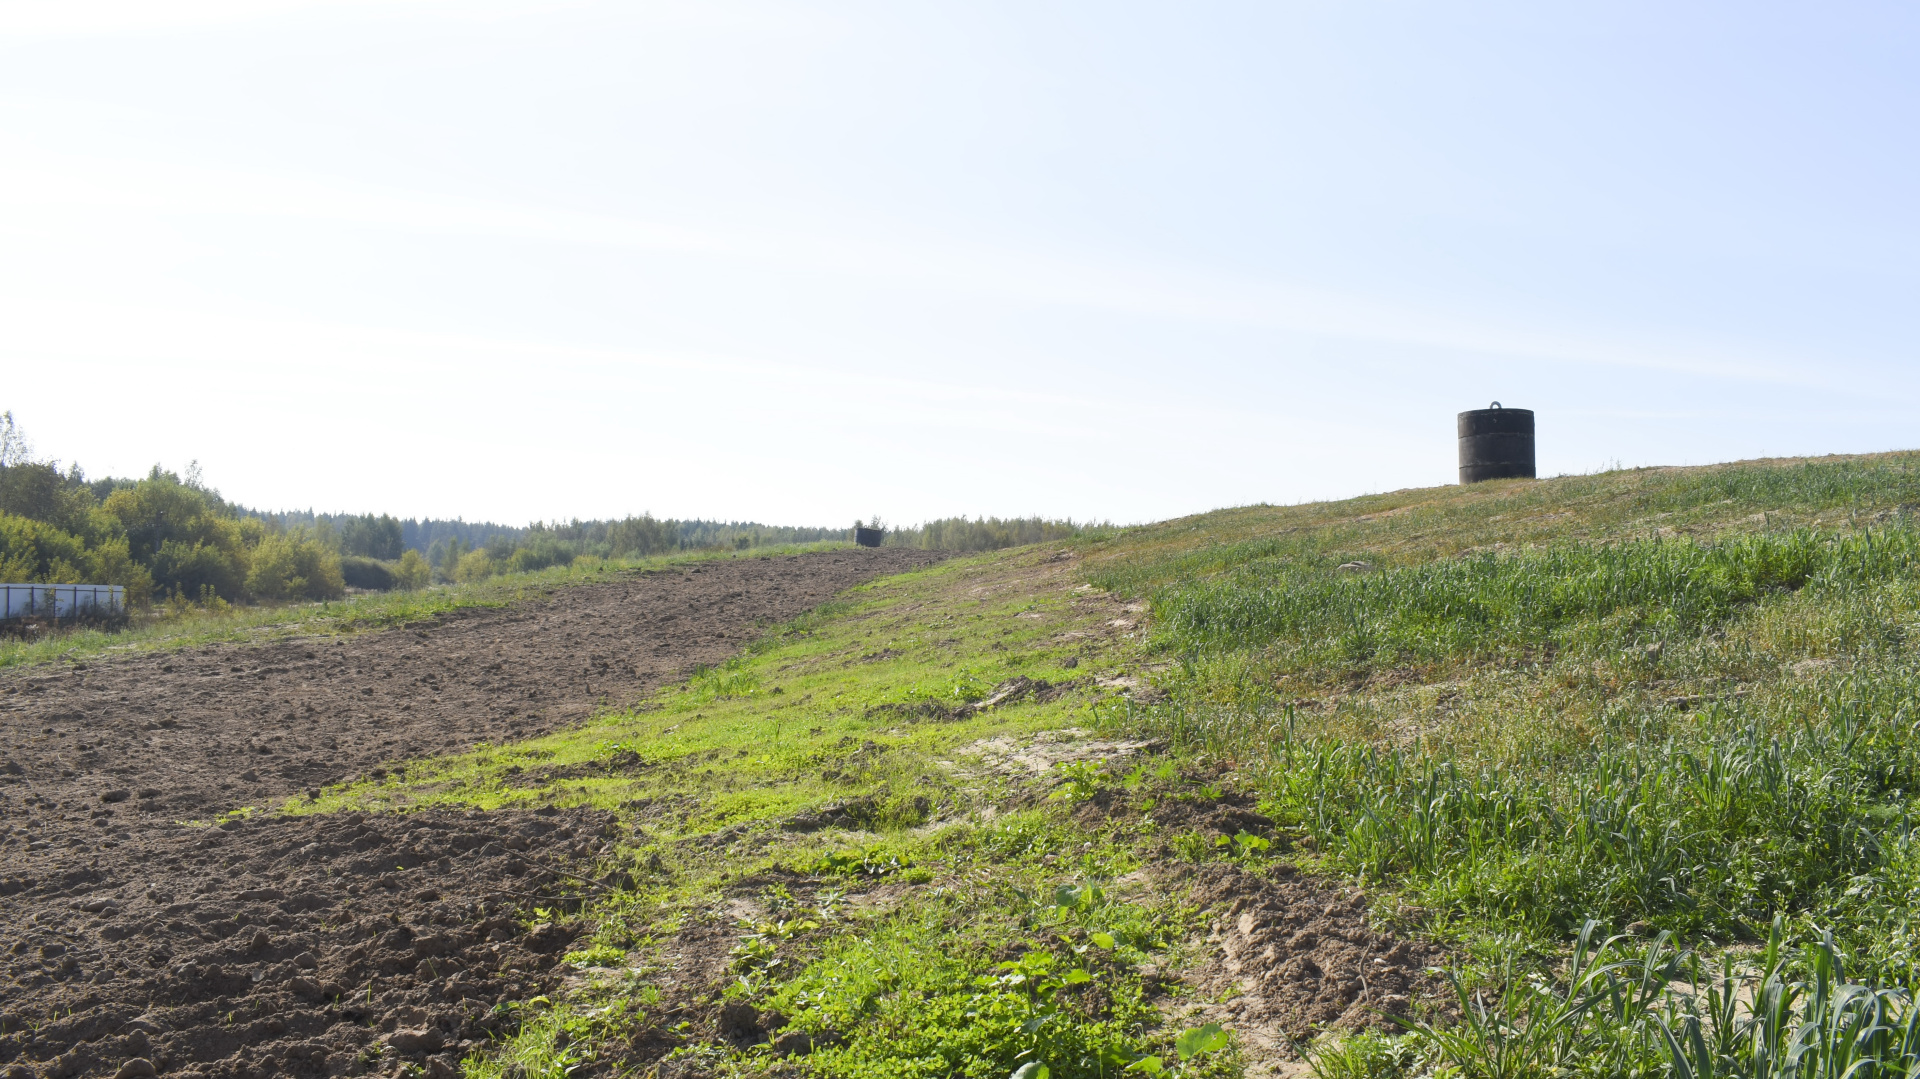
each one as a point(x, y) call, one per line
point(460, 550)
point(986, 533)
point(384, 536)
point(171, 537)
point(456, 558)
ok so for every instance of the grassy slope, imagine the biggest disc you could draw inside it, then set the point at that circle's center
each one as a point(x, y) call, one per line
point(1677, 699)
point(864, 706)
point(1567, 674)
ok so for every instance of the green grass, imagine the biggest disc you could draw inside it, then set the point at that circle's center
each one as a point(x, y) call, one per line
point(1693, 735)
point(1621, 1008)
point(1709, 830)
point(1418, 526)
point(1681, 701)
point(158, 631)
point(855, 700)
point(1678, 699)
point(930, 989)
point(998, 943)
point(1587, 598)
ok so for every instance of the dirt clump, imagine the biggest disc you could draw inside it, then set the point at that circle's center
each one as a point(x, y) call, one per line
point(320, 946)
point(1292, 955)
point(1227, 813)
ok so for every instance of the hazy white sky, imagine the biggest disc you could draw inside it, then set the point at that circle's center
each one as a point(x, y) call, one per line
point(804, 262)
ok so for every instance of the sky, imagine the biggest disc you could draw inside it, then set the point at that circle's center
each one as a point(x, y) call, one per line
point(805, 262)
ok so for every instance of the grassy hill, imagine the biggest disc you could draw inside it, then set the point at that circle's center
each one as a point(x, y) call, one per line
point(1635, 751)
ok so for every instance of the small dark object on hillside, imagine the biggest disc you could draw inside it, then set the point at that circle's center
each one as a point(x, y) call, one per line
point(1495, 443)
point(868, 537)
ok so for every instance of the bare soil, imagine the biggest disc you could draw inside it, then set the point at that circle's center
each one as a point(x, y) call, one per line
point(1292, 955)
point(196, 732)
point(322, 945)
point(1288, 954)
point(328, 945)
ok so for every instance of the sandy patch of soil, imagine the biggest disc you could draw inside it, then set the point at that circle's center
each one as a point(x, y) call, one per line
point(1024, 757)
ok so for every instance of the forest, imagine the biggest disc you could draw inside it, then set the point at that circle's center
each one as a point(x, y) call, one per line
point(174, 539)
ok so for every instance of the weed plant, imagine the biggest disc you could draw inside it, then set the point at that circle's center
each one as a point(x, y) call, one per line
point(934, 990)
point(1624, 1008)
point(1792, 795)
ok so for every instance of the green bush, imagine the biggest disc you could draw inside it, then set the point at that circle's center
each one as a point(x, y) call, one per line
point(540, 550)
point(474, 566)
point(32, 551)
point(186, 536)
point(192, 568)
point(178, 537)
point(412, 572)
point(160, 510)
point(368, 573)
point(288, 567)
point(446, 559)
point(641, 535)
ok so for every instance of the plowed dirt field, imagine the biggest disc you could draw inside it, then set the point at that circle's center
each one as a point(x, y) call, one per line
point(136, 945)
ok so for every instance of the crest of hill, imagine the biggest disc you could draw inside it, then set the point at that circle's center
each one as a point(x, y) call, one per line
point(1423, 524)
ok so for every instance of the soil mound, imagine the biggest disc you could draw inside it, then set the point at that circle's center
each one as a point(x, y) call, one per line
point(326, 945)
point(1302, 958)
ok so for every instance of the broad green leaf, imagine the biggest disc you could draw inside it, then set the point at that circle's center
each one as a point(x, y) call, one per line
point(1031, 1070)
point(1104, 940)
point(1206, 1039)
point(1148, 1066)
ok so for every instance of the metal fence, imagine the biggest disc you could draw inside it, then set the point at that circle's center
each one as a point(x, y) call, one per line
point(57, 601)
